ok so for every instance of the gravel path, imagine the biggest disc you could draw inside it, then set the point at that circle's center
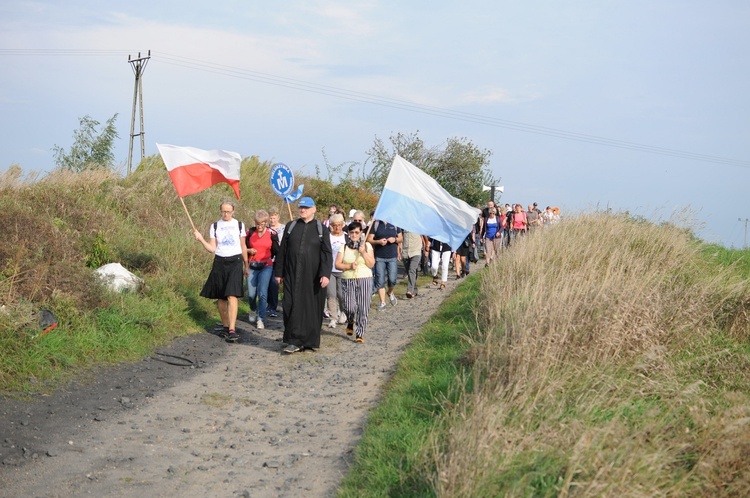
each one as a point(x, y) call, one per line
point(244, 421)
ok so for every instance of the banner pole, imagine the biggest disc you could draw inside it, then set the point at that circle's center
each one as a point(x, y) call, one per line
point(289, 206)
point(188, 214)
point(369, 227)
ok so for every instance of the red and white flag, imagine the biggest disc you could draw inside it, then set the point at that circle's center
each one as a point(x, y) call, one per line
point(193, 170)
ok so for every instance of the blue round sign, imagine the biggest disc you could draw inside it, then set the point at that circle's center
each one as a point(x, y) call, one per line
point(282, 179)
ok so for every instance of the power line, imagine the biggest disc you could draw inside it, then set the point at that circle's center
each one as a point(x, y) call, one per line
point(281, 81)
point(369, 98)
point(68, 52)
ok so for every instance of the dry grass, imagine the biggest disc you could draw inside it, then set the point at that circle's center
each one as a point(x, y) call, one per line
point(613, 363)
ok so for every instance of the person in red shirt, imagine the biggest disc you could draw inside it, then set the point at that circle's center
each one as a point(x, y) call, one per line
point(262, 245)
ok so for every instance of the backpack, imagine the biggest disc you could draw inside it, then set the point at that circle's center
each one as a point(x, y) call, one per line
point(239, 224)
point(290, 227)
point(274, 239)
point(375, 225)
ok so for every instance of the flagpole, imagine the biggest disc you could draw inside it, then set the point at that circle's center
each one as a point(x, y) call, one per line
point(372, 222)
point(289, 206)
point(188, 214)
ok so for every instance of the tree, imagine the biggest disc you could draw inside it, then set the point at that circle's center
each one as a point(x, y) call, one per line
point(89, 150)
point(459, 166)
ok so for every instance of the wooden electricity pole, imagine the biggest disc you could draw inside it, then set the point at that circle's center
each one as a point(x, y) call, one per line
point(746, 221)
point(139, 66)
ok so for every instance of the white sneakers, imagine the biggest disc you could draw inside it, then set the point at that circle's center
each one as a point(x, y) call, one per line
point(259, 325)
point(252, 317)
point(332, 323)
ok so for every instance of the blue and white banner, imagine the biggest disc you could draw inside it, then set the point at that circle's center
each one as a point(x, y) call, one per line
point(414, 201)
point(295, 195)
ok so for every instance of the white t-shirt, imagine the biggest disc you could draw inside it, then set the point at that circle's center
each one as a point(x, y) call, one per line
point(228, 235)
point(337, 242)
point(279, 230)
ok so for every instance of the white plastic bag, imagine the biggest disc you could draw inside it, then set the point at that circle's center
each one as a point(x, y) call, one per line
point(118, 278)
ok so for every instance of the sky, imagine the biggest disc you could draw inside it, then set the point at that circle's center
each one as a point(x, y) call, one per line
point(634, 105)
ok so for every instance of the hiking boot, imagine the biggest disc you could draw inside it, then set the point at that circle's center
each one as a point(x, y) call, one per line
point(332, 323)
point(291, 349)
point(252, 317)
point(393, 299)
point(381, 307)
point(232, 336)
point(350, 328)
point(259, 325)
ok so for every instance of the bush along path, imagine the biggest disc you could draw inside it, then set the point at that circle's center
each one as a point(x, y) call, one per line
point(243, 420)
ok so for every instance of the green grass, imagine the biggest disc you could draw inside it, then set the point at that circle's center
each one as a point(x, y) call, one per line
point(390, 458)
point(128, 328)
point(740, 259)
point(572, 375)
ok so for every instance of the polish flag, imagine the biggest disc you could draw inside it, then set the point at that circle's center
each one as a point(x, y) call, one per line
point(193, 170)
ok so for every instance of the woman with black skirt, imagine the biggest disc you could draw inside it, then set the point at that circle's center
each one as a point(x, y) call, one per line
point(225, 283)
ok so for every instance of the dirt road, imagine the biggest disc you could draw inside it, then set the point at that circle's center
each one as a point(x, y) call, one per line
point(246, 420)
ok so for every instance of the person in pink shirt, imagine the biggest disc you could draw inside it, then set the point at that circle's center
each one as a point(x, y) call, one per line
point(519, 222)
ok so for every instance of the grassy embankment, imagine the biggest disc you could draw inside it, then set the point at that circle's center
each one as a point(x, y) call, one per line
point(604, 357)
point(57, 229)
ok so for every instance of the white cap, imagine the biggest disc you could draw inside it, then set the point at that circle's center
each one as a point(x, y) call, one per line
point(351, 212)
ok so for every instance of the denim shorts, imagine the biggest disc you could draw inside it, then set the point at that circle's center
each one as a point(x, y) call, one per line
point(383, 265)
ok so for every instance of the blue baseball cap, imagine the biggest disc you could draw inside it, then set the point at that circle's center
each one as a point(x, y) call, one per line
point(306, 202)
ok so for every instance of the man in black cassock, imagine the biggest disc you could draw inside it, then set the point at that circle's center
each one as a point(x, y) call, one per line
point(304, 263)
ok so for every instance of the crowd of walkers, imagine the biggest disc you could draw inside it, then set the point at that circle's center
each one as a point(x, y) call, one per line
point(498, 226)
point(333, 268)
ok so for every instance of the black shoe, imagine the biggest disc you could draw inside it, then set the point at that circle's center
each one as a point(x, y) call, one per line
point(291, 349)
point(232, 336)
point(350, 328)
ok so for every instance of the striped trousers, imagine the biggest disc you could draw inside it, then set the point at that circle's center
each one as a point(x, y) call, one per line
point(357, 294)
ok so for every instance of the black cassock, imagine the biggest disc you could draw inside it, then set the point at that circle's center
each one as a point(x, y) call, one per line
point(304, 256)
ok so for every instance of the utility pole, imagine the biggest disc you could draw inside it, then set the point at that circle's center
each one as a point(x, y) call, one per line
point(746, 221)
point(139, 66)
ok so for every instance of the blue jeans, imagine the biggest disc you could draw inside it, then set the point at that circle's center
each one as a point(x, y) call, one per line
point(257, 288)
point(386, 269)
